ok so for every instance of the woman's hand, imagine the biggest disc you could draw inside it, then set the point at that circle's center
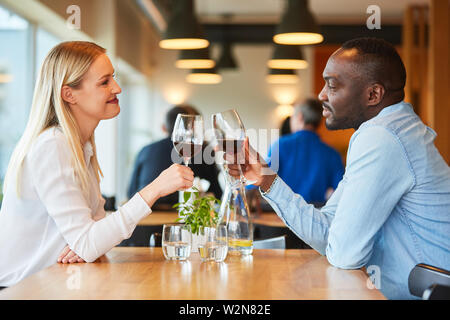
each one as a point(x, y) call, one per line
point(176, 177)
point(68, 256)
point(254, 168)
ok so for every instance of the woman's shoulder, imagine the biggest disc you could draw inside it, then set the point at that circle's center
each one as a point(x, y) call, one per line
point(50, 137)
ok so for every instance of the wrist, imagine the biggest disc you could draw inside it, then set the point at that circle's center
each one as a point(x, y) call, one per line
point(267, 181)
point(150, 194)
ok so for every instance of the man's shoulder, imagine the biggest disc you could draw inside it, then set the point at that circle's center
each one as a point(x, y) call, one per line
point(378, 144)
point(374, 134)
point(157, 146)
point(396, 119)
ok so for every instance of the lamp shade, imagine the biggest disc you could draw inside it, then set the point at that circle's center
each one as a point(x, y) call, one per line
point(204, 76)
point(297, 26)
point(195, 59)
point(226, 60)
point(282, 76)
point(287, 57)
point(183, 30)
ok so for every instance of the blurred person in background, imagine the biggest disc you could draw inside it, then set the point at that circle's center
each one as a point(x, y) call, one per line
point(309, 167)
point(285, 127)
point(157, 156)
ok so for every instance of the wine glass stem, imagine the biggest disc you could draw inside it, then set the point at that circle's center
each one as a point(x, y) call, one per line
point(242, 177)
point(186, 161)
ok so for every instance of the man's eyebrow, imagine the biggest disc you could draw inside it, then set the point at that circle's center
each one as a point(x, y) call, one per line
point(326, 78)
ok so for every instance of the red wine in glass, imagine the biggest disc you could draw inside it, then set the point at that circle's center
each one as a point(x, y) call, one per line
point(231, 146)
point(187, 135)
point(187, 150)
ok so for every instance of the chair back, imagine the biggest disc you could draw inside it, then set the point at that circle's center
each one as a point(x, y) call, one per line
point(423, 277)
point(155, 240)
point(437, 292)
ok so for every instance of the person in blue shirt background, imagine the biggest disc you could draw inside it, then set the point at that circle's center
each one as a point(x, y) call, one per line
point(157, 156)
point(309, 167)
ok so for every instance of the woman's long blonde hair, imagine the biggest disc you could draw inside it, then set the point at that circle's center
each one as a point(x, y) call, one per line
point(66, 64)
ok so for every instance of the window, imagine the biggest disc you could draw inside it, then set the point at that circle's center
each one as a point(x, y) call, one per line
point(44, 43)
point(19, 66)
point(15, 82)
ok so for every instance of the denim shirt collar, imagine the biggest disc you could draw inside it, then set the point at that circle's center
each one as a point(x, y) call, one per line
point(388, 110)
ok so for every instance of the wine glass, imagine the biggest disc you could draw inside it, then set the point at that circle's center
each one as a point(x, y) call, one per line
point(187, 136)
point(230, 134)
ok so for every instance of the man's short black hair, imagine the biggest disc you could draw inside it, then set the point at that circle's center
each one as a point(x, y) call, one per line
point(172, 114)
point(379, 62)
point(311, 110)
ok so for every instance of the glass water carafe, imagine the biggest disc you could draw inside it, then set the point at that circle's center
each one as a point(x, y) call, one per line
point(235, 214)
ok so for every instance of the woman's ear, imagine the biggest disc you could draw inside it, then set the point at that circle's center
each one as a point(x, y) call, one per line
point(67, 95)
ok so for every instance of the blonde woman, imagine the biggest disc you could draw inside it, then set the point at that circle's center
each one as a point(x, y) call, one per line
point(52, 208)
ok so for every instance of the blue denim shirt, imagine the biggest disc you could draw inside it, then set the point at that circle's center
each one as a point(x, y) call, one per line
point(390, 211)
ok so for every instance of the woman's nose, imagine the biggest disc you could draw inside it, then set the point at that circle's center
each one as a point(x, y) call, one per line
point(116, 88)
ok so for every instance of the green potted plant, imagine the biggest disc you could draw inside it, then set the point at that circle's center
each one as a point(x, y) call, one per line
point(198, 212)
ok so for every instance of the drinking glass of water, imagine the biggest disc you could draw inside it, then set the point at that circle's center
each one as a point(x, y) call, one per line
point(213, 245)
point(176, 241)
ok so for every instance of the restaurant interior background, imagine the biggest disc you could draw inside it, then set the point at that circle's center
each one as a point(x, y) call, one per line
point(130, 30)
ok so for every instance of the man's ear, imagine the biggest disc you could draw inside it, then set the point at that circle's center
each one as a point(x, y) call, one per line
point(67, 95)
point(375, 94)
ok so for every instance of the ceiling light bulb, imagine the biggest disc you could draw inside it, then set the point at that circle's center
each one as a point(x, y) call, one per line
point(298, 38)
point(195, 64)
point(184, 43)
point(287, 64)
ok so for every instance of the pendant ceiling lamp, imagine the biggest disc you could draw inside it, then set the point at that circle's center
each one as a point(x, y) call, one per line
point(298, 26)
point(226, 60)
point(183, 30)
point(204, 76)
point(282, 76)
point(287, 57)
point(195, 59)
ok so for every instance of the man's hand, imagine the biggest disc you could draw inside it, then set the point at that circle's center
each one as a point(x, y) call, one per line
point(68, 256)
point(254, 168)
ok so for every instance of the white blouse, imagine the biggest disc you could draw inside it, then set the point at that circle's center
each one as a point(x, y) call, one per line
point(52, 213)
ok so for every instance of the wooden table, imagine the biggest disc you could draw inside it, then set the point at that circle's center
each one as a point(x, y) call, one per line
point(161, 217)
point(143, 273)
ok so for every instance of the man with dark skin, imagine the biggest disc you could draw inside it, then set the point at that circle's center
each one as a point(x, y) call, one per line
point(349, 98)
point(391, 209)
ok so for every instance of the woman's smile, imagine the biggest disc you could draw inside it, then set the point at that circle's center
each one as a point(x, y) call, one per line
point(114, 101)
